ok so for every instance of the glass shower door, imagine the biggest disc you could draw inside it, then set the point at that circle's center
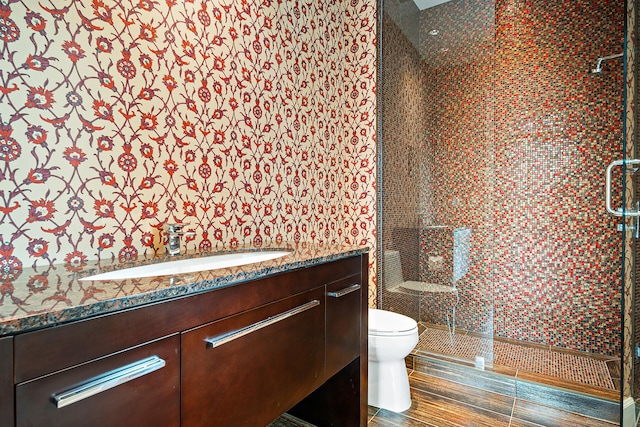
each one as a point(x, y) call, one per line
point(437, 104)
point(494, 142)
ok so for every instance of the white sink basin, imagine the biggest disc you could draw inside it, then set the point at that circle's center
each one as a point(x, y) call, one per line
point(190, 265)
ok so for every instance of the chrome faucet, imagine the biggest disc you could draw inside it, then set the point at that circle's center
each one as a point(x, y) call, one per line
point(175, 232)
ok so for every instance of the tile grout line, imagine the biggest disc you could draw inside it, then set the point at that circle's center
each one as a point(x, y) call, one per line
point(515, 399)
point(374, 415)
point(539, 404)
point(450, 399)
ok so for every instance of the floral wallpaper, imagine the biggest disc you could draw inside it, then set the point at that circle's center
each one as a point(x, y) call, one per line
point(252, 121)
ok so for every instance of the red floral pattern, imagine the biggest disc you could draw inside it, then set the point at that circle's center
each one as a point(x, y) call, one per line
point(252, 121)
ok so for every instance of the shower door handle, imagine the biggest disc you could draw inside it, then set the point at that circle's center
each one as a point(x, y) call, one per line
point(618, 211)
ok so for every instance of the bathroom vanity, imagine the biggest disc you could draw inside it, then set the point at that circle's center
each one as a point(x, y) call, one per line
point(240, 350)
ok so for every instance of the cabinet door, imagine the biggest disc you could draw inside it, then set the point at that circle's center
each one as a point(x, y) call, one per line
point(344, 310)
point(248, 369)
point(6, 380)
point(137, 387)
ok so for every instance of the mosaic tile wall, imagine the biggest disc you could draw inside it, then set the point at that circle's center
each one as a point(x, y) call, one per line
point(436, 255)
point(515, 148)
point(552, 150)
point(251, 120)
point(436, 185)
point(404, 112)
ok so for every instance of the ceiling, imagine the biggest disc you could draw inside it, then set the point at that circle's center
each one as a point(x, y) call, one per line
point(465, 28)
point(426, 4)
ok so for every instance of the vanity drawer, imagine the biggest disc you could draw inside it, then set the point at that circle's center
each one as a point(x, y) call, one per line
point(136, 387)
point(344, 311)
point(249, 368)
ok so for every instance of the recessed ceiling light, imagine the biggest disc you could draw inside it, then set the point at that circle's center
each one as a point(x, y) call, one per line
point(444, 49)
point(434, 32)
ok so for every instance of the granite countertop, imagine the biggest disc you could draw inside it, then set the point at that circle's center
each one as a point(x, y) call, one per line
point(34, 298)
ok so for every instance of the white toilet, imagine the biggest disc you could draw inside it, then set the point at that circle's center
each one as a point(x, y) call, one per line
point(392, 336)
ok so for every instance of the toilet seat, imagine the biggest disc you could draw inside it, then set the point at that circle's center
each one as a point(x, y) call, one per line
point(386, 323)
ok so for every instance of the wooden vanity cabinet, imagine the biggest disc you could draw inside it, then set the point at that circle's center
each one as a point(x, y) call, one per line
point(238, 355)
point(342, 399)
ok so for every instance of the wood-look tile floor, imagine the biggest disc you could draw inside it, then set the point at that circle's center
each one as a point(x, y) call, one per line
point(441, 403)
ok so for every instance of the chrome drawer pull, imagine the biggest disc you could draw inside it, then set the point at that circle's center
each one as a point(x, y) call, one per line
point(109, 380)
point(345, 291)
point(225, 338)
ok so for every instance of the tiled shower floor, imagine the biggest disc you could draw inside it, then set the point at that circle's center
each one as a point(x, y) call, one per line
point(598, 375)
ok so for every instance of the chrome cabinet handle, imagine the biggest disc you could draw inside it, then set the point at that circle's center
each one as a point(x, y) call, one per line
point(619, 211)
point(233, 335)
point(109, 380)
point(345, 291)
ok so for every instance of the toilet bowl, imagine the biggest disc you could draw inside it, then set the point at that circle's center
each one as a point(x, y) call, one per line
point(392, 336)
